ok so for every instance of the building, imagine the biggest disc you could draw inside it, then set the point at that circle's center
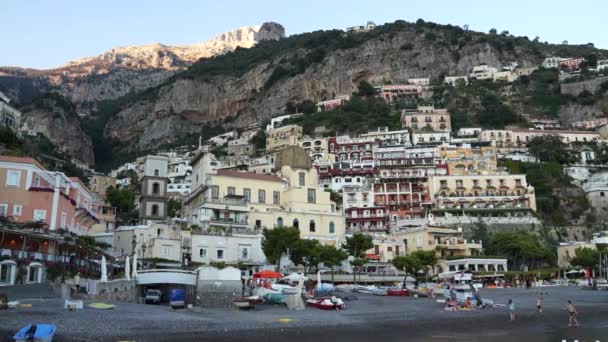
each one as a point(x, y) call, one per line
point(385, 249)
point(567, 250)
point(443, 240)
point(9, 116)
point(346, 148)
point(419, 81)
point(602, 65)
point(391, 92)
point(505, 192)
point(422, 137)
point(153, 241)
point(245, 200)
point(31, 193)
point(223, 138)
point(361, 212)
point(570, 64)
point(454, 80)
point(519, 138)
point(317, 148)
point(469, 159)
point(327, 105)
point(282, 137)
point(596, 189)
point(153, 198)
point(590, 124)
point(427, 118)
point(370, 25)
point(277, 121)
point(473, 265)
point(544, 122)
point(233, 247)
point(400, 179)
point(483, 72)
point(552, 62)
point(100, 183)
point(337, 175)
point(382, 134)
point(241, 147)
point(469, 131)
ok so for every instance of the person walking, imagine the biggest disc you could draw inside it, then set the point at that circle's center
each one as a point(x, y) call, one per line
point(539, 304)
point(573, 313)
point(511, 308)
point(77, 282)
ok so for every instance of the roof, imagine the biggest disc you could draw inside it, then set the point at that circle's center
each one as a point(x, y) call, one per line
point(248, 175)
point(22, 160)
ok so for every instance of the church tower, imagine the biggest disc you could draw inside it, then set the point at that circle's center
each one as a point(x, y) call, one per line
point(153, 199)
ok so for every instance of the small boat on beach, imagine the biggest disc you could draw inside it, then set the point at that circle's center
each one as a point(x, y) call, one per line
point(379, 291)
point(36, 332)
point(326, 303)
point(397, 292)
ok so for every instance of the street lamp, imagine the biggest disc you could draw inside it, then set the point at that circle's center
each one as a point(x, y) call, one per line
point(133, 243)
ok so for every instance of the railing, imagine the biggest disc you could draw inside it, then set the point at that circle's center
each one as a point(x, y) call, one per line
point(18, 254)
point(242, 202)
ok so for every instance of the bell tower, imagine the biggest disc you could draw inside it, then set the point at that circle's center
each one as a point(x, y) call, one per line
point(153, 199)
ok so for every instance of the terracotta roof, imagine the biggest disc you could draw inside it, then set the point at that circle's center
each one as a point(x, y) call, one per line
point(22, 160)
point(249, 175)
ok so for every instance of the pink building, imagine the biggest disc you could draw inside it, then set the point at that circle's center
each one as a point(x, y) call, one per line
point(30, 193)
point(392, 91)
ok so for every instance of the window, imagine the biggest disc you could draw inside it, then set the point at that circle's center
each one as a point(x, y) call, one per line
point(296, 223)
point(261, 196)
point(156, 172)
point(154, 209)
point(258, 224)
point(312, 193)
point(231, 190)
point(302, 178)
point(166, 251)
point(280, 222)
point(64, 218)
point(13, 178)
point(332, 228)
point(244, 253)
point(276, 197)
point(37, 181)
point(17, 210)
point(155, 188)
point(602, 194)
point(247, 194)
point(202, 252)
point(39, 215)
point(215, 192)
point(311, 226)
point(3, 209)
point(220, 254)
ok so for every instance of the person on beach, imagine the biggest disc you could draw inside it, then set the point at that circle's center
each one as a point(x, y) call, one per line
point(573, 313)
point(539, 304)
point(77, 281)
point(467, 303)
point(511, 308)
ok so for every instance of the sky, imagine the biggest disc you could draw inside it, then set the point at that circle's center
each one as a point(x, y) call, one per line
point(45, 34)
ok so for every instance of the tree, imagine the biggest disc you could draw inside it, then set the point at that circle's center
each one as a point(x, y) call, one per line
point(124, 201)
point(493, 31)
point(357, 244)
point(259, 139)
point(479, 231)
point(174, 207)
point(428, 259)
point(520, 248)
point(306, 252)
point(357, 264)
point(331, 256)
point(548, 148)
point(585, 257)
point(277, 241)
point(365, 89)
point(409, 264)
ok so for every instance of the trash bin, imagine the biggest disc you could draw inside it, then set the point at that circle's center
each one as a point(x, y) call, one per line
point(177, 298)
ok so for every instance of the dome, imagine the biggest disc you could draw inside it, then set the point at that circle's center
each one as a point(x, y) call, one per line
point(293, 156)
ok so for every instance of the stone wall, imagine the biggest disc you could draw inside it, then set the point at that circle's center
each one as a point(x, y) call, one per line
point(577, 87)
point(120, 290)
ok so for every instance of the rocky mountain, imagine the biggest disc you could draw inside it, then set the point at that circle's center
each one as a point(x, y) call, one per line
point(122, 70)
point(253, 84)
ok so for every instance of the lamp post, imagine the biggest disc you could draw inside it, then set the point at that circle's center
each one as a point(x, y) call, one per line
point(143, 254)
point(133, 243)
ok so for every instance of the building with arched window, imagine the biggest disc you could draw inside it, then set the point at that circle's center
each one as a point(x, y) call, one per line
point(153, 200)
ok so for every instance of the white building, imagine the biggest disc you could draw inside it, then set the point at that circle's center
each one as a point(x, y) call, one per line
point(602, 65)
point(276, 122)
point(552, 62)
point(231, 248)
point(469, 131)
point(430, 137)
point(9, 116)
point(160, 241)
point(473, 264)
point(453, 80)
point(400, 137)
point(419, 81)
point(223, 138)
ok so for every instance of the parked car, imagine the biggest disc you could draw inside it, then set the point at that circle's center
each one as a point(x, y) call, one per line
point(153, 296)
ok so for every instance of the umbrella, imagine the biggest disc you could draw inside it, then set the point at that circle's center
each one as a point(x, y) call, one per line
point(134, 265)
point(295, 277)
point(318, 279)
point(104, 270)
point(127, 268)
point(267, 275)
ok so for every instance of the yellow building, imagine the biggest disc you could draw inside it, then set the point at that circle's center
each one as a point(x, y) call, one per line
point(469, 160)
point(245, 200)
point(427, 118)
point(281, 137)
point(100, 183)
point(444, 241)
point(497, 191)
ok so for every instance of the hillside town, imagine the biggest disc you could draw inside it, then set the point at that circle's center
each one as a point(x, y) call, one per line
point(281, 212)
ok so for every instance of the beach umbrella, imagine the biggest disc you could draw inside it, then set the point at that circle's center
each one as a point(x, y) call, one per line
point(104, 270)
point(134, 265)
point(318, 279)
point(127, 268)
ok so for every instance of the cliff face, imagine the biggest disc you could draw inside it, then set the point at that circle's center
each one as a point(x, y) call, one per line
point(126, 69)
point(61, 127)
point(379, 60)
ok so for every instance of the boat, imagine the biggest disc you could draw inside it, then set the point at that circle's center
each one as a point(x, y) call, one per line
point(36, 332)
point(397, 292)
point(379, 291)
point(326, 303)
point(345, 288)
point(275, 298)
point(101, 306)
point(286, 289)
point(364, 289)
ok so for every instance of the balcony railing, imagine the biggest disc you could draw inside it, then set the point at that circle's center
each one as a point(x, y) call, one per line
point(235, 201)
